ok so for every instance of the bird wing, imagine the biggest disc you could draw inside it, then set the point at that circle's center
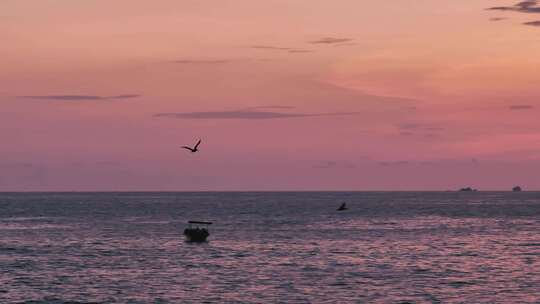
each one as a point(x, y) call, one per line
point(187, 148)
point(198, 143)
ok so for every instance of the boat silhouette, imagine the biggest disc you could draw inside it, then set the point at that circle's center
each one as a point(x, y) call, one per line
point(197, 231)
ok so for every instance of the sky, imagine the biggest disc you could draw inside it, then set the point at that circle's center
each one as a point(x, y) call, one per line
point(285, 95)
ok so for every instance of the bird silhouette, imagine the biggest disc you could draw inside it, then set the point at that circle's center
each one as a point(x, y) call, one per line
point(194, 149)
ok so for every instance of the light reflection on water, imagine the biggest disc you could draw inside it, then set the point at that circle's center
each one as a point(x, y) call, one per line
point(271, 247)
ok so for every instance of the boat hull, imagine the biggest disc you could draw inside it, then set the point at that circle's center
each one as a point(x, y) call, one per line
point(196, 235)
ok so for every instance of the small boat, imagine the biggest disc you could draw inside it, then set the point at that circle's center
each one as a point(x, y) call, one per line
point(197, 231)
point(342, 207)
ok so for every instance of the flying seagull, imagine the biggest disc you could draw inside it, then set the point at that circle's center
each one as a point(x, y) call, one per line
point(194, 149)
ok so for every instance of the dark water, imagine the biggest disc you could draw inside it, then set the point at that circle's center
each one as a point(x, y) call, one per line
point(271, 247)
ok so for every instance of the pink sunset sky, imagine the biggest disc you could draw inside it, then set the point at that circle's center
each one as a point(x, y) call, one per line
point(285, 95)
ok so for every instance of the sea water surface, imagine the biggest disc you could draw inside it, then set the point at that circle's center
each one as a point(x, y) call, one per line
point(290, 247)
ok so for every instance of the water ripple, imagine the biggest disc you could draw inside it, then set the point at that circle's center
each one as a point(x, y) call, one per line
point(270, 248)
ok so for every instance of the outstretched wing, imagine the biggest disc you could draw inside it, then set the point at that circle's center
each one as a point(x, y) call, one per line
point(188, 148)
point(198, 143)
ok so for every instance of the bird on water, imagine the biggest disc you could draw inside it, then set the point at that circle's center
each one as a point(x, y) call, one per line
point(194, 149)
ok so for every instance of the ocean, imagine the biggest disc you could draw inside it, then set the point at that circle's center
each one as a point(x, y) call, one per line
point(271, 247)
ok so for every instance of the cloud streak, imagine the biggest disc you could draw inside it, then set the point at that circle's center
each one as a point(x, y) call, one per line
point(243, 114)
point(269, 107)
point(331, 40)
point(406, 133)
point(527, 6)
point(277, 48)
point(521, 7)
point(79, 97)
point(419, 126)
point(269, 47)
point(532, 23)
point(300, 51)
point(335, 165)
point(394, 163)
point(521, 107)
point(17, 165)
point(201, 61)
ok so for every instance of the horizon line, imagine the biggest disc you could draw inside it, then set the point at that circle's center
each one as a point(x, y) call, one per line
point(243, 191)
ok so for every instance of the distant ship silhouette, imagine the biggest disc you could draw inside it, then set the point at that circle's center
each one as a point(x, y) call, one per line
point(517, 189)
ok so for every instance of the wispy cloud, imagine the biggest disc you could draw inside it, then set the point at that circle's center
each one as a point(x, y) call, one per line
point(277, 48)
point(406, 133)
point(418, 129)
point(268, 107)
point(345, 44)
point(79, 97)
point(394, 163)
point(246, 114)
point(330, 40)
point(521, 107)
point(453, 162)
point(532, 23)
point(409, 126)
point(419, 126)
point(300, 51)
point(17, 165)
point(108, 163)
point(201, 61)
point(497, 18)
point(335, 165)
point(269, 47)
point(528, 6)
